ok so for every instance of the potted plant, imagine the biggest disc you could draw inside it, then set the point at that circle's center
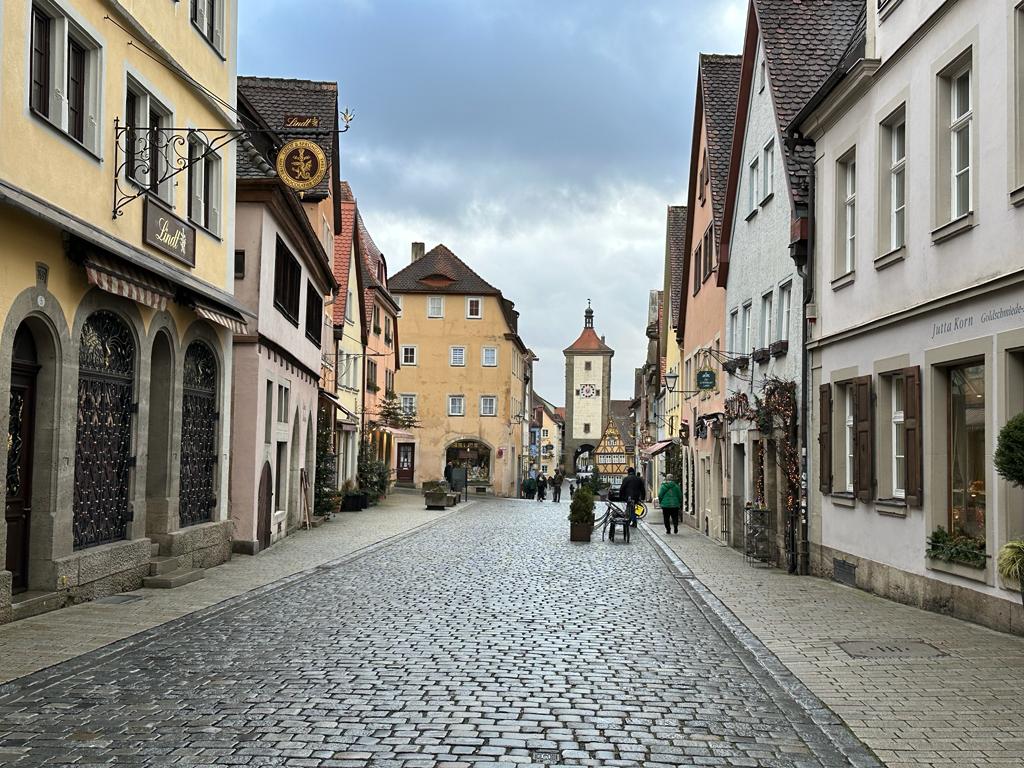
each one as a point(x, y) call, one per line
point(435, 494)
point(956, 548)
point(1009, 461)
point(581, 515)
point(761, 355)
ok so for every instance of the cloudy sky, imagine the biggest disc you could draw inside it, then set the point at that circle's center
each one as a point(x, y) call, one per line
point(540, 140)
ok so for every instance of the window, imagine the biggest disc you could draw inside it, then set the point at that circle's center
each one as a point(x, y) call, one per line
point(348, 306)
point(544, 433)
point(435, 306)
point(371, 376)
point(966, 460)
point(408, 355)
point(709, 251)
point(239, 265)
point(408, 403)
point(145, 161)
point(785, 310)
point(587, 365)
point(376, 319)
point(899, 440)
point(389, 381)
point(488, 405)
point(753, 182)
point(314, 314)
point(489, 357)
point(208, 19)
point(847, 220)
point(268, 412)
point(64, 76)
point(203, 185)
point(897, 138)
point(287, 282)
point(457, 357)
point(766, 319)
point(586, 429)
point(474, 308)
point(768, 174)
point(388, 336)
point(398, 301)
point(697, 258)
point(688, 385)
point(745, 329)
point(282, 403)
point(762, 76)
point(456, 405)
point(702, 184)
point(960, 140)
point(734, 340)
point(849, 434)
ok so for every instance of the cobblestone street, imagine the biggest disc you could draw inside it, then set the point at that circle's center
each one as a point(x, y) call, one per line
point(486, 637)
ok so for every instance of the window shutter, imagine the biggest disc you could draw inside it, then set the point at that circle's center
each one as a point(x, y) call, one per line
point(825, 438)
point(914, 434)
point(196, 182)
point(218, 26)
point(864, 440)
point(200, 14)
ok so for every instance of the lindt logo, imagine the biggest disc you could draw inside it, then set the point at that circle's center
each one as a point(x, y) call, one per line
point(301, 121)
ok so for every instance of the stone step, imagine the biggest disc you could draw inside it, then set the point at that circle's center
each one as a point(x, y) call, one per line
point(34, 603)
point(154, 550)
point(173, 579)
point(158, 566)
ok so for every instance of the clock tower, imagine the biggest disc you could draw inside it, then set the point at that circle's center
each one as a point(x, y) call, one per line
point(588, 393)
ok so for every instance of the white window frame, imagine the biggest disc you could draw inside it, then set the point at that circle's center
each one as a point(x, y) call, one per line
point(768, 171)
point(480, 305)
point(897, 179)
point(415, 355)
point(398, 302)
point(460, 400)
point(754, 182)
point(457, 357)
point(493, 410)
point(734, 329)
point(403, 398)
point(349, 317)
point(483, 357)
point(785, 309)
point(958, 124)
point(146, 102)
point(847, 178)
point(431, 312)
point(199, 24)
point(196, 187)
point(746, 310)
point(849, 435)
point(762, 75)
point(544, 433)
point(898, 424)
point(766, 318)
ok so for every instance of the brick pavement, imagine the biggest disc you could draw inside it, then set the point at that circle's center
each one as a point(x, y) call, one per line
point(38, 642)
point(485, 638)
point(965, 708)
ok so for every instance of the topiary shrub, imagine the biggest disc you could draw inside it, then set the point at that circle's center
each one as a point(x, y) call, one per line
point(1009, 458)
point(581, 511)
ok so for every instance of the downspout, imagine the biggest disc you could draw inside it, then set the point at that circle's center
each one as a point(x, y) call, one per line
point(806, 272)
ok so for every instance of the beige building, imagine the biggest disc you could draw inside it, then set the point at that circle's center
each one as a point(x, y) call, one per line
point(463, 371)
point(551, 425)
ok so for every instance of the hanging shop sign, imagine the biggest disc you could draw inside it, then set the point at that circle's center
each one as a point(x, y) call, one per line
point(167, 233)
point(301, 164)
point(301, 121)
point(706, 380)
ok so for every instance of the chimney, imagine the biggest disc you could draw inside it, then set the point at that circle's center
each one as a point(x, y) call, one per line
point(417, 251)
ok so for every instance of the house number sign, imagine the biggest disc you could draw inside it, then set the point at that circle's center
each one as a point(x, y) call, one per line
point(301, 164)
point(167, 233)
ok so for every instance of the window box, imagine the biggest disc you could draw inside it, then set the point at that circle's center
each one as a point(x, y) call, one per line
point(729, 366)
point(761, 355)
point(779, 348)
point(372, 388)
point(376, 330)
point(742, 363)
point(388, 340)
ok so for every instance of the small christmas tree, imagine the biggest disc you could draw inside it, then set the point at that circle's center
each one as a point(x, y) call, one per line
point(390, 413)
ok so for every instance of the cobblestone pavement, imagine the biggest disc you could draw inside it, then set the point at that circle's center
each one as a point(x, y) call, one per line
point(485, 638)
point(962, 708)
point(41, 641)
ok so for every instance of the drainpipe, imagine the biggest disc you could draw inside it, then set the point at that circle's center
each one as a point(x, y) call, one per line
point(806, 273)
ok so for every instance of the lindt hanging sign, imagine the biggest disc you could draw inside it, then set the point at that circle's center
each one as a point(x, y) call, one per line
point(167, 233)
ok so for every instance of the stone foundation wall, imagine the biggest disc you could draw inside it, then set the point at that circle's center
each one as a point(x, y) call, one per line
point(198, 546)
point(922, 592)
point(101, 571)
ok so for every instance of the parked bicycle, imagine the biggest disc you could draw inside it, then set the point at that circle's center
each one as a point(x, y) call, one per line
point(616, 513)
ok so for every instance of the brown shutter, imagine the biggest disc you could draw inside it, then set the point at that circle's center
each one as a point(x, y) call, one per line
point(825, 438)
point(914, 433)
point(864, 439)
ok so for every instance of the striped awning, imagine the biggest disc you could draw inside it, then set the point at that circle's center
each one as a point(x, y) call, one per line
point(656, 448)
point(122, 279)
point(233, 321)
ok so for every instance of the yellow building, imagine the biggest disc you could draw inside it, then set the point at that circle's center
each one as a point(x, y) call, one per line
point(116, 272)
point(463, 373)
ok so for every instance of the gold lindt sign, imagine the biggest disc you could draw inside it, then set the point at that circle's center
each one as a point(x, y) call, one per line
point(301, 164)
point(167, 233)
point(301, 121)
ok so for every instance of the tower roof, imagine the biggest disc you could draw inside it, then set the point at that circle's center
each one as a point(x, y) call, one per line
point(589, 341)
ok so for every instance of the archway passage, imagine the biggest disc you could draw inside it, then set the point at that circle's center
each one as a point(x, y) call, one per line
point(196, 497)
point(474, 456)
point(106, 374)
point(583, 460)
point(158, 447)
point(264, 508)
point(21, 431)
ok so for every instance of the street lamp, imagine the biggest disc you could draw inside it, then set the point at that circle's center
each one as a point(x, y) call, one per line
point(670, 381)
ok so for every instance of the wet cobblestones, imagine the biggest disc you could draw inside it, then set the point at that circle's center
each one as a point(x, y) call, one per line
point(486, 638)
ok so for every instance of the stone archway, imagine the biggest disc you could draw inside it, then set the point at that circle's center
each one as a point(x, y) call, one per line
point(159, 439)
point(472, 455)
point(583, 459)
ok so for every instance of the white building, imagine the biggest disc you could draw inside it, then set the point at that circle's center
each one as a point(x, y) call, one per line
point(918, 353)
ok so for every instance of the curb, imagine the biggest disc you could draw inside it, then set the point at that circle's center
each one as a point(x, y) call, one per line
point(842, 742)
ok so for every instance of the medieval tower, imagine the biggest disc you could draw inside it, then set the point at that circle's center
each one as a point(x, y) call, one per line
point(588, 391)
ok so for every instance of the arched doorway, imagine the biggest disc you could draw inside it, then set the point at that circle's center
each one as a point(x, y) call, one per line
point(20, 451)
point(294, 455)
point(264, 507)
point(158, 444)
point(106, 389)
point(196, 498)
point(583, 460)
point(474, 456)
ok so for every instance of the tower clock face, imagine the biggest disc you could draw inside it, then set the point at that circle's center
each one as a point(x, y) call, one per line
point(588, 390)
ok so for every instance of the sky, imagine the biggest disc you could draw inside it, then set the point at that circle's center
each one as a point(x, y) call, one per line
point(540, 140)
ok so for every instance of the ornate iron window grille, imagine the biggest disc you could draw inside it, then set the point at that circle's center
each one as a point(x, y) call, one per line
point(197, 497)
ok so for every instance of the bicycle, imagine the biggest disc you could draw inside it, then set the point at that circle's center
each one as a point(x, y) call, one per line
point(613, 509)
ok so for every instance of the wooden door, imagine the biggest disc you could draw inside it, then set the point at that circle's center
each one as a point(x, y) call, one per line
point(264, 508)
point(21, 428)
point(406, 462)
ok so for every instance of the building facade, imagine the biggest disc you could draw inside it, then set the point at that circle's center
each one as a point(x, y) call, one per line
point(917, 355)
point(115, 294)
point(588, 386)
point(463, 372)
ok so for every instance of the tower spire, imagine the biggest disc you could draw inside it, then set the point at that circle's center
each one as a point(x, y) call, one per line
point(588, 316)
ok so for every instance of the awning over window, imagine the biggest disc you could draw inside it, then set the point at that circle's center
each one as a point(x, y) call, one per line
point(230, 319)
point(395, 431)
point(656, 448)
point(122, 279)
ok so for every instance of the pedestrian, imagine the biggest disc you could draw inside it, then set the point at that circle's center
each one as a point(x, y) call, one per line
point(530, 487)
point(542, 484)
point(632, 491)
point(556, 485)
point(448, 474)
point(670, 496)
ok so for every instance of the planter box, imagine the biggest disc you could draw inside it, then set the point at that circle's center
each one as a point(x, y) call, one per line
point(364, 500)
point(451, 499)
point(351, 503)
point(960, 569)
point(741, 363)
point(729, 366)
point(436, 500)
point(778, 348)
point(580, 531)
point(761, 355)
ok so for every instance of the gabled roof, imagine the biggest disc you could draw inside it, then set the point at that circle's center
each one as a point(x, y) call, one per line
point(440, 271)
point(675, 256)
point(588, 341)
point(343, 259)
point(370, 260)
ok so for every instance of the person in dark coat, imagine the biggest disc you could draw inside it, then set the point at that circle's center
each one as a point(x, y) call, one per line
point(542, 484)
point(631, 492)
point(556, 485)
point(448, 473)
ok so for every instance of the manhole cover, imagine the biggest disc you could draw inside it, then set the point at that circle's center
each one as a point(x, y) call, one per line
point(890, 649)
point(117, 599)
point(545, 756)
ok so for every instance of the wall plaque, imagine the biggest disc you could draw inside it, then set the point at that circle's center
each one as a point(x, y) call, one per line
point(706, 380)
point(301, 164)
point(167, 233)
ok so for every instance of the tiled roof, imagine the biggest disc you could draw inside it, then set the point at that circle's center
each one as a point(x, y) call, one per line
point(343, 258)
point(588, 341)
point(675, 250)
point(560, 414)
point(804, 41)
point(276, 98)
point(368, 264)
point(620, 415)
point(452, 275)
point(720, 84)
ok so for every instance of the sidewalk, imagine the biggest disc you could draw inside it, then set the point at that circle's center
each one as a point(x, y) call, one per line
point(963, 708)
point(42, 641)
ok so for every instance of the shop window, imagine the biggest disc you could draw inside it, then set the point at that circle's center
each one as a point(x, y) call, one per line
point(966, 440)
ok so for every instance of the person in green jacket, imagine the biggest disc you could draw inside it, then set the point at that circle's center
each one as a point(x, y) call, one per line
point(670, 496)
